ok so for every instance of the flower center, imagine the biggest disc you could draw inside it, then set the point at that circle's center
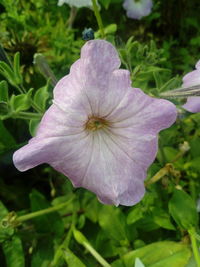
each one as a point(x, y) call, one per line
point(95, 123)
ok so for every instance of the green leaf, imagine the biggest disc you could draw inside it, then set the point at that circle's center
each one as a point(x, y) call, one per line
point(3, 55)
point(135, 214)
point(5, 232)
point(92, 206)
point(80, 238)
point(105, 3)
point(171, 84)
point(147, 223)
point(159, 254)
point(3, 109)
point(111, 29)
point(158, 79)
point(3, 210)
point(21, 102)
point(169, 152)
point(191, 262)
point(43, 253)
point(180, 258)
point(183, 209)
point(51, 222)
point(16, 65)
point(71, 259)
point(13, 252)
point(5, 137)
point(41, 97)
point(194, 164)
point(138, 263)
point(7, 72)
point(3, 91)
point(33, 125)
point(195, 146)
point(161, 218)
point(116, 230)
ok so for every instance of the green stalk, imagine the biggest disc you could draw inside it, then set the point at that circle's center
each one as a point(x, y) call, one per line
point(98, 17)
point(21, 91)
point(72, 16)
point(27, 115)
point(22, 88)
point(195, 248)
point(58, 256)
point(162, 172)
point(43, 212)
point(41, 62)
point(36, 107)
point(96, 255)
point(81, 239)
point(165, 170)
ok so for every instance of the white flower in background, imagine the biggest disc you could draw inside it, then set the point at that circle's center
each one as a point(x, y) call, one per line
point(136, 9)
point(76, 3)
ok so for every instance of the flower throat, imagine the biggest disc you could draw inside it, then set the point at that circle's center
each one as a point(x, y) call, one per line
point(95, 123)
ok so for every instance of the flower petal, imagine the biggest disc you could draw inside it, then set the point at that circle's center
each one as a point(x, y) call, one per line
point(192, 79)
point(99, 171)
point(111, 161)
point(99, 57)
point(139, 145)
point(57, 122)
point(88, 78)
point(136, 122)
point(141, 112)
point(48, 150)
point(192, 104)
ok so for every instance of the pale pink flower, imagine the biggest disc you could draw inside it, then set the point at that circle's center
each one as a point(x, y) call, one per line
point(136, 9)
point(100, 132)
point(192, 79)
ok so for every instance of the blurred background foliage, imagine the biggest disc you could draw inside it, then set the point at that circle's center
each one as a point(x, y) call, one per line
point(158, 50)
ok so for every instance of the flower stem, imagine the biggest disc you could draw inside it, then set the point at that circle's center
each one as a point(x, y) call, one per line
point(81, 239)
point(43, 212)
point(162, 172)
point(195, 248)
point(58, 256)
point(21, 91)
point(165, 170)
point(72, 16)
point(96, 255)
point(22, 88)
point(98, 17)
point(36, 107)
point(27, 115)
point(41, 62)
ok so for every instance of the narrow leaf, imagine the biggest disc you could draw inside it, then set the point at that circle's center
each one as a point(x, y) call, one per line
point(4, 91)
point(18, 76)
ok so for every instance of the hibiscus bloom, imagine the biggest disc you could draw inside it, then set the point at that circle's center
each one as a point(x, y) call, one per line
point(76, 3)
point(99, 131)
point(192, 79)
point(136, 9)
